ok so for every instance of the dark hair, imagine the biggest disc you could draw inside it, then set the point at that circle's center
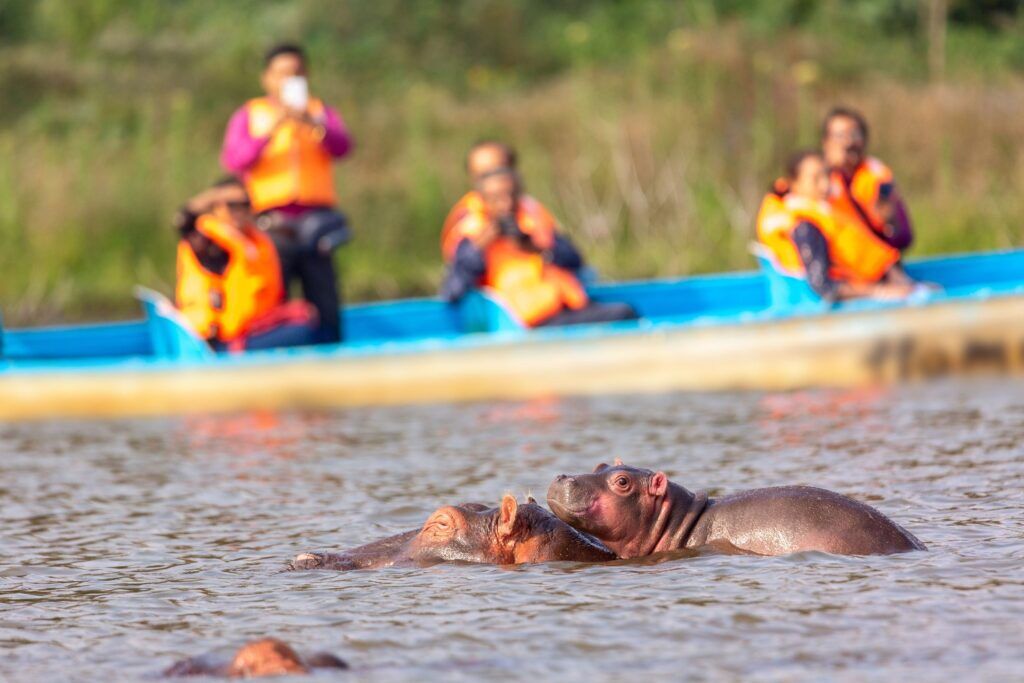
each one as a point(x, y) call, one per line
point(797, 160)
point(284, 49)
point(847, 113)
point(229, 181)
point(510, 154)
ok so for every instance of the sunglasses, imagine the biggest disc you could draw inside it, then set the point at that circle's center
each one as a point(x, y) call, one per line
point(239, 205)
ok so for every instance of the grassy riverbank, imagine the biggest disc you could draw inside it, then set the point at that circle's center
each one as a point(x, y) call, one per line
point(650, 129)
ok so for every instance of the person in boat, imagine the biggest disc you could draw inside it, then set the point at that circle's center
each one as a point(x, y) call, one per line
point(499, 250)
point(839, 257)
point(282, 145)
point(862, 187)
point(484, 157)
point(229, 284)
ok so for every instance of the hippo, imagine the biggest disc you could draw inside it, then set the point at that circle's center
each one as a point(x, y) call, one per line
point(264, 657)
point(636, 512)
point(508, 534)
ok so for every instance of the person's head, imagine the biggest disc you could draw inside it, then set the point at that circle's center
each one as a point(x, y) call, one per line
point(281, 62)
point(500, 190)
point(487, 156)
point(807, 176)
point(229, 202)
point(844, 138)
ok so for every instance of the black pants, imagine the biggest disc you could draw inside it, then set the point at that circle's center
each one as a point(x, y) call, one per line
point(319, 284)
point(593, 313)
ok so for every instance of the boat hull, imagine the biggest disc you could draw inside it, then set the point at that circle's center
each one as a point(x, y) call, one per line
point(845, 349)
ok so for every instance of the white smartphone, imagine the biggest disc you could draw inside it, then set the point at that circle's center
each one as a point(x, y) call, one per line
point(295, 92)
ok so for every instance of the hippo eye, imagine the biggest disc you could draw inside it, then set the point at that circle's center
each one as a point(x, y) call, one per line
point(621, 481)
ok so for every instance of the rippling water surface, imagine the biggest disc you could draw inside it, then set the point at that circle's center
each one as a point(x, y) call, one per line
point(127, 545)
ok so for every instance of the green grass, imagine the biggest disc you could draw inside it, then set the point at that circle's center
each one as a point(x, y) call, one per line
point(650, 128)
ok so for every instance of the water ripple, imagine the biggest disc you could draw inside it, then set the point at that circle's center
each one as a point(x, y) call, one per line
point(127, 545)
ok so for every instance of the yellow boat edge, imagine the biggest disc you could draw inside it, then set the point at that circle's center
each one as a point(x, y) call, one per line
point(848, 350)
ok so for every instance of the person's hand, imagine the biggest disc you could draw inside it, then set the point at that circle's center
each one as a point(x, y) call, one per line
point(897, 275)
point(483, 239)
point(289, 114)
point(184, 221)
point(892, 291)
point(303, 116)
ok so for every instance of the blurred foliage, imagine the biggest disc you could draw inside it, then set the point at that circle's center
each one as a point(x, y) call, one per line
point(650, 127)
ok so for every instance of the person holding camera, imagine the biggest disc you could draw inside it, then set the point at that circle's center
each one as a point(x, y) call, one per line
point(861, 187)
point(283, 145)
point(484, 157)
point(229, 284)
point(499, 249)
point(839, 257)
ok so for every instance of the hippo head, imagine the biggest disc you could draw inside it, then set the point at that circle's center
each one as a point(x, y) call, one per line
point(509, 534)
point(266, 657)
point(255, 659)
point(616, 504)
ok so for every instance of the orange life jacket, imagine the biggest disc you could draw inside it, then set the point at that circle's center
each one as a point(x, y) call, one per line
point(462, 221)
point(532, 289)
point(774, 230)
point(857, 200)
point(856, 253)
point(294, 167)
point(222, 306)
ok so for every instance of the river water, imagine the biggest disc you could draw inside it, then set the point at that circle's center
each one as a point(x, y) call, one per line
point(126, 545)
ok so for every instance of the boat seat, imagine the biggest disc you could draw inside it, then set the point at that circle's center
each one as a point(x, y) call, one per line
point(784, 289)
point(171, 334)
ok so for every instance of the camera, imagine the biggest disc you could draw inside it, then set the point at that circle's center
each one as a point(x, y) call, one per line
point(508, 227)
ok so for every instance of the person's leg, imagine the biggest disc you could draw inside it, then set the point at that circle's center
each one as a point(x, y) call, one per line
point(320, 288)
point(593, 313)
point(283, 336)
point(287, 256)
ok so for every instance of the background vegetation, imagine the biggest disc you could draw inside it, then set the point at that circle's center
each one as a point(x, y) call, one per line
point(650, 127)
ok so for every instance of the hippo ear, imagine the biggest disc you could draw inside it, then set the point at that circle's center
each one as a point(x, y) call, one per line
point(444, 522)
point(507, 515)
point(618, 462)
point(600, 466)
point(658, 485)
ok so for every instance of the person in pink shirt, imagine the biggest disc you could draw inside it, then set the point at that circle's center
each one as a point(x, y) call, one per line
point(283, 146)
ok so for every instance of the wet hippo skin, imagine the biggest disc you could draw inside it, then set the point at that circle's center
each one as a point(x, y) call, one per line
point(637, 512)
point(264, 657)
point(508, 534)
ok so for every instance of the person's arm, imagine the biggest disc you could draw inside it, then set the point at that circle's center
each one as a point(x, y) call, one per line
point(813, 250)
point(337, 140)
point(564, 254)
point(893, 210)
point(240, 150)
point(466, 269)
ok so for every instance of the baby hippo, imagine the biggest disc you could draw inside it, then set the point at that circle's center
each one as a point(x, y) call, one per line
point(266, 657)
point(508, 534)
point(637, 512)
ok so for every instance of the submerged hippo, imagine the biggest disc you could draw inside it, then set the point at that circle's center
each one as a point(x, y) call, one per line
point(637, 512)
point(508, 534)
point(266, 657)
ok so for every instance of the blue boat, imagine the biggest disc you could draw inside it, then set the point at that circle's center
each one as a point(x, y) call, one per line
point(748, 330)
